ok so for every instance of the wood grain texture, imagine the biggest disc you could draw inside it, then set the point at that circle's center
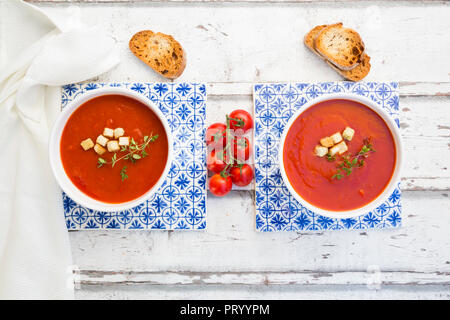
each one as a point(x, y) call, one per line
point(92, 277)
point(416, 251)
point(214, 1)
point(167, 292)
point(232, 45)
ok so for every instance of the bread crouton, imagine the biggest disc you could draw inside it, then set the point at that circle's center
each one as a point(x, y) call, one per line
point(320, 151)
point(99, 149)
point(124, 141)
point(327, 142)
point(101, 140)
point(342, 147)
point(118, 132)
point(109, 133)
point(113, 146)
point(336, 137)
point(87, 144)
point(339, 148)
point(348, 133)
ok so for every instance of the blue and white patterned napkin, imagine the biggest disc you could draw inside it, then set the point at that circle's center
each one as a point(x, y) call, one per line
point(276, 209)
point(180, 203)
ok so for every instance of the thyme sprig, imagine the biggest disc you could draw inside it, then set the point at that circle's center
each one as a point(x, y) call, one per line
point(345, 168)
point(123, 173)
point(134, 152)
point(329, 157)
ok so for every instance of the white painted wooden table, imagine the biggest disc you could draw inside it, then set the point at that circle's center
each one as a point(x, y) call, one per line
point(230, 45)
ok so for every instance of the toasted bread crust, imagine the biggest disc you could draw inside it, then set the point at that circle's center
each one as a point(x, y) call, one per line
point(358, 73)
point(310, 37)
point(159, 51)
point(341, 46)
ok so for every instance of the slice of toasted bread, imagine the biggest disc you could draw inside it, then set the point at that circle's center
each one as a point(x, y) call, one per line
point(341, 46)
point(159, 51)
point(358, 73)
point(310, 37)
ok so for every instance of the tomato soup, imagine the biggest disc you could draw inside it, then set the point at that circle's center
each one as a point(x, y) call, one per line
point(314, 178)
point(105, 183)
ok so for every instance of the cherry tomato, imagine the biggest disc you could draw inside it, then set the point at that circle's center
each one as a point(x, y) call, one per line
point(241, 149)
point(242, 176)
point(215, 163)
point(245, 121)
point(215, 134)
point(219, 185)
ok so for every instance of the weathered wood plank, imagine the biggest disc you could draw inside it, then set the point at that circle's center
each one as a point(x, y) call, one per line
point(234, 43)
point(232, 46)
point(261, 292)
point(231, 246)
point(214, 1)
point(370, 277)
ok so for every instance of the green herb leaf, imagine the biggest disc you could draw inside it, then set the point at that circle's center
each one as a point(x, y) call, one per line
point(114, 160)
point(348, 163)
point(337, 176)
point(123, 173)
point(100, 162)
point(135, 153)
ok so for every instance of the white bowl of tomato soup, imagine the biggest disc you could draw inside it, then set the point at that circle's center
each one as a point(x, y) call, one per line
point(118, 179)
point(349, 180)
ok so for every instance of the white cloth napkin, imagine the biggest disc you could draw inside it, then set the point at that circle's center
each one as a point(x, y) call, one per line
point(36, 58)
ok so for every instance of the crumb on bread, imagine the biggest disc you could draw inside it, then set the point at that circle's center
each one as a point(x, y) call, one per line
point(340, 148)
point(336, 137)
point(159, 51)
point(87, 144)
point(101, 140)
point(113, 146)
point(327, 142)
point(124, 141)
point(99, 149)
point(341, 46)
point(348, 133)
point(320, 151)
point(118, 132)
point(108, 132)
point(344, 45)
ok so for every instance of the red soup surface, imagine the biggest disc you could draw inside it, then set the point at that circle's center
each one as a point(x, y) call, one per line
point(105, 183)
point(312, 176)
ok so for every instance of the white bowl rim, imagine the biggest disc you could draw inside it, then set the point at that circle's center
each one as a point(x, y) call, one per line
point(55, 156)
point(395, 179)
